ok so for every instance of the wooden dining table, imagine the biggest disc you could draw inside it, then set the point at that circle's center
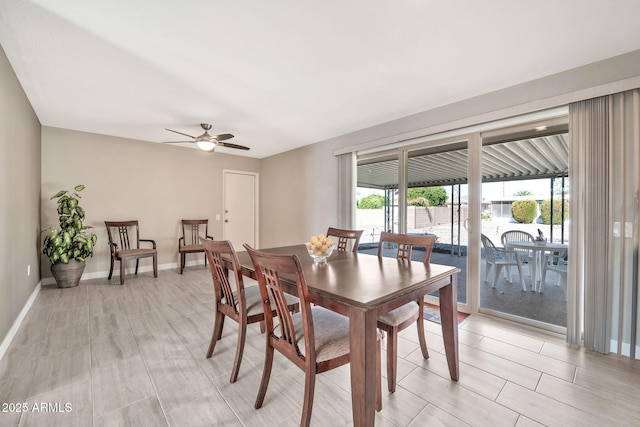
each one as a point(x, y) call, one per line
point(362, 287)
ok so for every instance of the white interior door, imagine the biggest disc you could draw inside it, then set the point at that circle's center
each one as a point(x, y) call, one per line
point(240, 208)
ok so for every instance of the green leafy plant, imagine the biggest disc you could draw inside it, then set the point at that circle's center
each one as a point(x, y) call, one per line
point(69, 240)
point(426, 196)
point(524, 211)
point(545, 211)
point(372, 201)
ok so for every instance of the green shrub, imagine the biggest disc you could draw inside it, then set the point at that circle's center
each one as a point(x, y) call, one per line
point(426, 196)
point(524, 211)
point(545, 211)
point(373, 201)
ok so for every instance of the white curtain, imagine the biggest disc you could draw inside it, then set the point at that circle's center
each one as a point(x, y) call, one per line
point(624, 199)
point(604, 170)
point(347, 180)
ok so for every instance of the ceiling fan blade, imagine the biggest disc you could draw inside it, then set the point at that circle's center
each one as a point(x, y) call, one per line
point(180, 133)
point(177, 142)
point(222, 137)
point(236, 146)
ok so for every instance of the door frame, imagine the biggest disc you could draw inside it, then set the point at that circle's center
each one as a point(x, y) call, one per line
point(256, 198)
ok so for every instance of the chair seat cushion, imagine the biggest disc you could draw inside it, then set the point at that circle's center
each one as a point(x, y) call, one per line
point(254, 300)
point(135, 253)
point(400, 314)
point(331, 332)
point(192, 248)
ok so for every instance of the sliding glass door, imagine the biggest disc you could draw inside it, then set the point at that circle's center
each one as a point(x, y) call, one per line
point(525, 239)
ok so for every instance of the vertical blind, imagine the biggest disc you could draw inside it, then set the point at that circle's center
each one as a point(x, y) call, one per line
point(604, 170)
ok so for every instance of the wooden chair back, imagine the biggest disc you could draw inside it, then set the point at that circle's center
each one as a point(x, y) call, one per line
point(119, 234)
point(216, 251)
point(269, 269)
point(193, 230)
point(344, 237)
point(405, 244)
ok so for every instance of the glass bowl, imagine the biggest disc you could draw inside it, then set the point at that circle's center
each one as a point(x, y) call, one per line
point(319, 255)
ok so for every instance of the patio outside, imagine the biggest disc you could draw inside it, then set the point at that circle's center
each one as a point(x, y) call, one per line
point(549, 306)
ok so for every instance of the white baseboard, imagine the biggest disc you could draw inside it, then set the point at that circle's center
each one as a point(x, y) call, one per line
point(18, 322)
point(129, 270)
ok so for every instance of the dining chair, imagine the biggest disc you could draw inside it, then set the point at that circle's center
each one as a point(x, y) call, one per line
point(498, 258)
point(189, 242)
point(124, 245)
point(314, 339)
point(402, 317)
point(557, 262)
point(242, 304)
point(344, 237)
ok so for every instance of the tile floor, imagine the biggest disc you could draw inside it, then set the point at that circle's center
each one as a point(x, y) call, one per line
point(102, 354)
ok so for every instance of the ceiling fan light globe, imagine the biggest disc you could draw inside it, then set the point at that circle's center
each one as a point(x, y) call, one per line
point(206, 145)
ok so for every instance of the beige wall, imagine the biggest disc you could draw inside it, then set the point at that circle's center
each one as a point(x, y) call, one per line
point(127, 179)
point(300, 190)
point(299, 195)
point(19, 197)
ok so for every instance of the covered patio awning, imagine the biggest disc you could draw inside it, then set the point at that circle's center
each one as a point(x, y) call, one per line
point(528, 158)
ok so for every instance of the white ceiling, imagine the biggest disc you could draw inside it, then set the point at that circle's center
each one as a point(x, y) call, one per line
point(282, 74)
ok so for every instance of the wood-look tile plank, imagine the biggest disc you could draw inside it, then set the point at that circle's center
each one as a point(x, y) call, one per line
point(117, 384)
point(61, 370)
point(134, 307)
point(148, 322)
point(477, 380)
point(161, 345)
point(70, 317)
point(433, 416)
point(68, 302)
point(499, 334)
point(112, 323)
point(500, 367)
point(143, 413)
point(179, 309)
point(71, 406)
point(545, 410)
point(62, 339)
point(39, 314)
point(18, 361)
point(208, 410)
point(551, 366)
point(401, 407)
point(527, 422)
point(10, 419)
point(179, 381)
point(99, 306)
point(111, 348)
point(241, 397)
point(455, 399)
point(614, 383)
point(196, 328)
point(591, 400)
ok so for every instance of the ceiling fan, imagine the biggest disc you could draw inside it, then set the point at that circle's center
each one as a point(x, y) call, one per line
point(208, 142)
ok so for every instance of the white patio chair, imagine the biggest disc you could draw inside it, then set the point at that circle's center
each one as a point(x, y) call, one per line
point(499, 258)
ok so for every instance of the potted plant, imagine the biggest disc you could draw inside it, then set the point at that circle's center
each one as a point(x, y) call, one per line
point(69, 245)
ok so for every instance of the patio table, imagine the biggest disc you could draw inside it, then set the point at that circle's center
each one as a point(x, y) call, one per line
point(538, 249)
